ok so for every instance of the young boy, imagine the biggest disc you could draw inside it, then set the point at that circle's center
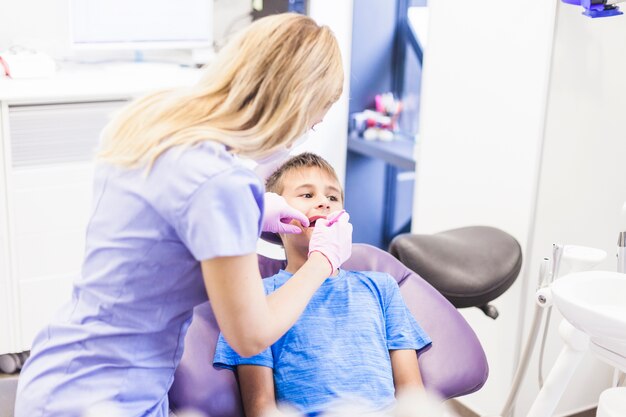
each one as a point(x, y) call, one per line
point(355, 339)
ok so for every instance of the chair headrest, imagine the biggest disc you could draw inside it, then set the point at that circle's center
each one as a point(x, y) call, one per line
point(272, 238)
point(470, 266)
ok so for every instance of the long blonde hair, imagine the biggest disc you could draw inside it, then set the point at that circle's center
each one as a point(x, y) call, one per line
point(262, 91)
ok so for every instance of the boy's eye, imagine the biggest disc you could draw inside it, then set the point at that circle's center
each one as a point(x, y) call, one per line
point(333, 198)
point(307, 195)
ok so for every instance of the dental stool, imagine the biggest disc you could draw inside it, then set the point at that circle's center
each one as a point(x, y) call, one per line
point(454, 365)
point(470, 266)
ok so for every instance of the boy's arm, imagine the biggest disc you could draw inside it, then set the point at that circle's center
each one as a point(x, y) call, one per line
point(406, 371)
point(256, 384)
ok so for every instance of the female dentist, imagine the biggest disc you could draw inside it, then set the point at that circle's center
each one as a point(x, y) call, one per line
point(176, 218)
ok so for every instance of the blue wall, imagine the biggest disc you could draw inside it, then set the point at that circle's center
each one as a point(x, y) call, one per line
point(373, 33)
point(378, 204)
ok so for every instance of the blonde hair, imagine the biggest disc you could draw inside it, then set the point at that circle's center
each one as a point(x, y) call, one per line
point(262, 91)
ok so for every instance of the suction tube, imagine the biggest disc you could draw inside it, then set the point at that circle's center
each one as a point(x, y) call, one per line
point(522, 366)
point(621, 243)
point(621, 252)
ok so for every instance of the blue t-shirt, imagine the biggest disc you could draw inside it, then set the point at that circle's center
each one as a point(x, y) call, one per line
point(339, 347)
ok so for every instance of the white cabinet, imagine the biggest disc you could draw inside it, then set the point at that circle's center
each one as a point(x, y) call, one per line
point(48, 141)
point(48, 167)
point(6, 309)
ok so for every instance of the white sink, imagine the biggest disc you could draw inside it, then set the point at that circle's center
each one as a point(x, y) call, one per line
point(595, 303)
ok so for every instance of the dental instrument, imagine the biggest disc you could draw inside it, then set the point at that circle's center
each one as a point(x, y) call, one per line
point(557, 252)
point(597, 8)
point(619, 376)
point(576, 341)
point(621, 243)
point(578, 258)
point(336, 218)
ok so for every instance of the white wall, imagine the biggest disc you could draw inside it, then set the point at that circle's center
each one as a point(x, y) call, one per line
point(44, 25)
point(331, 137)
point(37, 24)
point(483, 100)
point(484, 159)
point(582, 185)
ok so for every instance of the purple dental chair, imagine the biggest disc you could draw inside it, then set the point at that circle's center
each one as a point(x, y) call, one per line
point(454, 365)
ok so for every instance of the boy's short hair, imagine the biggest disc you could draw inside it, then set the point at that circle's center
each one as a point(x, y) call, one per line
point(274, 183)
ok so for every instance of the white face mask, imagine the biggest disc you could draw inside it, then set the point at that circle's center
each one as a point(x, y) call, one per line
point(268, 164)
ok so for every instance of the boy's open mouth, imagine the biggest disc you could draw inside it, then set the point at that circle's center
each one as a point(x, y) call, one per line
point(313, 219)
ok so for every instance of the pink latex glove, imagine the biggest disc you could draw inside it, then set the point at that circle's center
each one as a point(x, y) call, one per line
point(332, 237)
point(278, 214)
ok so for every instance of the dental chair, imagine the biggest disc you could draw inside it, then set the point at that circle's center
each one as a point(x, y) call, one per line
point(470, 266)
point(454, 365)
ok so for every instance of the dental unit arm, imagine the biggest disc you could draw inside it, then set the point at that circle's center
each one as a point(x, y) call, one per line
point(621, 243)
point(576, 258)
point(598, 8)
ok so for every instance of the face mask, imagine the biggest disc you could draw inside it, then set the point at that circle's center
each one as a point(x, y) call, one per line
point(267, 165)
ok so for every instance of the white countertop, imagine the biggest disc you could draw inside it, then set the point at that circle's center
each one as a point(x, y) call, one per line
point(97, 82)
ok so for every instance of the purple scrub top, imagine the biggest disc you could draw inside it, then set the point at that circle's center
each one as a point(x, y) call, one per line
point(121, 336)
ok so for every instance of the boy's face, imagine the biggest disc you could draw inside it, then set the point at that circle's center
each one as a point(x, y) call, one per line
point(316, 194)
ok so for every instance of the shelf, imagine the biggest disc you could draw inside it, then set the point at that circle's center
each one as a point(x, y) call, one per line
point(96, 83)
point(400, 152)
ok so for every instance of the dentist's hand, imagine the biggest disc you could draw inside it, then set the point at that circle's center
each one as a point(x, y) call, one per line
point(332, 237)
point(278, 214)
